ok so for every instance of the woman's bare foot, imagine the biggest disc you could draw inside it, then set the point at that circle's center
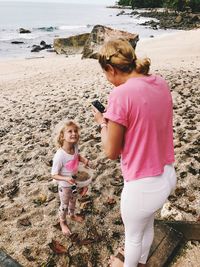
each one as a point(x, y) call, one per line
point(141, 265)
point(65, 229)
point(118, 260)
point(77, 218)
point(115, 262)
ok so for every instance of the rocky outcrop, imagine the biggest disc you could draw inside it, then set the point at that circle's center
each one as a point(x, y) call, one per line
point(42, 46)
point(101, 34)
point(172, 20)
point(17, 42)
point(22, 30)
point(70, 45)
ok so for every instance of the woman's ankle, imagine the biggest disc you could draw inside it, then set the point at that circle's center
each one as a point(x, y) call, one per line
point(141, 265)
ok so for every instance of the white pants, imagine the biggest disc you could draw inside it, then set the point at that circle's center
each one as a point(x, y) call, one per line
point(140, 199)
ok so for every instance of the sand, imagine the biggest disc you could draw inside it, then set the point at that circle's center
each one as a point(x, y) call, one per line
point(36, 94)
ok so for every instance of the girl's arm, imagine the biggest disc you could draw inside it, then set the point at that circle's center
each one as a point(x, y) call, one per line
point(58, 177)
point(83, 160)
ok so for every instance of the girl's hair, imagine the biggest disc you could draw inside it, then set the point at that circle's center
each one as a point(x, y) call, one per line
point(60, 130)
point(120, 54)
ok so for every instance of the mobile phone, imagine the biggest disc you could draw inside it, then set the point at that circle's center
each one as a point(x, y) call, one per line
point(99, 106)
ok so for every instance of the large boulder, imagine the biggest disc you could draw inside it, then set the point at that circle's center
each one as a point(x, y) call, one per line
point(101, 34)
point(70, 45)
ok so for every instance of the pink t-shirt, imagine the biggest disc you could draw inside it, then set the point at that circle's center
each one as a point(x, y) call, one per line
point(144, 106)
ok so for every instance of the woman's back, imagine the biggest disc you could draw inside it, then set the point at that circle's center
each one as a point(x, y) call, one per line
point(144, 106)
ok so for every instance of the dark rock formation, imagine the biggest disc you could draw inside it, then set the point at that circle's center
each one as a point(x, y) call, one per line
point(22, 30)
point(17, 42)
point(101, 34)
point(70, 45)
point(42, 46)
point(172, 20)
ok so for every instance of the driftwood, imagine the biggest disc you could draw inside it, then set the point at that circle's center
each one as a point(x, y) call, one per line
point(7, 261)
point(166, 242)
point(190, 230)
point(169, 237)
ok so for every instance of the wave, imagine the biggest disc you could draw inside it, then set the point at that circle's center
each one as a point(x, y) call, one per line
point(72, 27)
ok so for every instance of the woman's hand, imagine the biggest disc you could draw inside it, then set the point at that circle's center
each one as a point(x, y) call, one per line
point(98, 116)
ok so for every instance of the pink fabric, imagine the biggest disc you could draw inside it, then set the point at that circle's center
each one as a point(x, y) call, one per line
point(72, 165)
point(144, 106)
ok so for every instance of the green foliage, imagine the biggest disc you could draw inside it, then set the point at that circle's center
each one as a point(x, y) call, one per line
point(179, 5)
point(195, 5)
point(147, 3)
point(124, 2)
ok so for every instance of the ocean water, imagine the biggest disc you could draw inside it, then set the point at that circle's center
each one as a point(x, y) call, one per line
point(47, 21)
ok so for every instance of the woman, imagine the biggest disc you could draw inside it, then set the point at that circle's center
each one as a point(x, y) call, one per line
point(138, 127)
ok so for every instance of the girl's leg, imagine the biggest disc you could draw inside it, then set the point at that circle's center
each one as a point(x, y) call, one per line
point(64, 194)
point(72, 204)
point(71, 210)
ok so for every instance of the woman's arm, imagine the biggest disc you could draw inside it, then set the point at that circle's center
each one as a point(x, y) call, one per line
point(112, 135)
point(112, 138)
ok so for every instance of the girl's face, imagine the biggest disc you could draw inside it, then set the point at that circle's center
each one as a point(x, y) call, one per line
point(71, 134)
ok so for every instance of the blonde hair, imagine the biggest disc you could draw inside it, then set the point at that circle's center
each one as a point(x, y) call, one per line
point(121, 55)
point(60, 131)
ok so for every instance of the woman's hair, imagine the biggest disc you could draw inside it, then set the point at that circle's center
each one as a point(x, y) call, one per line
point(121, 55)
point(60, 130)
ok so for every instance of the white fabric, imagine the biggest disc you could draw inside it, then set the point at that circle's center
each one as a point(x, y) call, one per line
point(139, 201)
point(59, 161)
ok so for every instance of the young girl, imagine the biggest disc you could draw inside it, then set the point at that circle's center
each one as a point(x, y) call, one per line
point(65, 165)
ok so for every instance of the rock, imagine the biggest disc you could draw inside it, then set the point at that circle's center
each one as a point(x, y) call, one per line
point(22, 30)
point(101, 34)
point(180, 191)
point(194, 17)
point(120, 13)
point(70, 45)
point(36, 48)
point(178, 19)
point(42, 46)
point(17, 42)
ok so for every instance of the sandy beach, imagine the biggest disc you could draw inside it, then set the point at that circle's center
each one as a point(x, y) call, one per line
point(36, 94)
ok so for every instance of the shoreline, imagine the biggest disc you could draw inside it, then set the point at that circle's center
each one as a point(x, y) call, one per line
point(23, 53)
point(36, 95)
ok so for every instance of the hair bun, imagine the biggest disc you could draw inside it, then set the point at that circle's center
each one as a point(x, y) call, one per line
point(143, 65)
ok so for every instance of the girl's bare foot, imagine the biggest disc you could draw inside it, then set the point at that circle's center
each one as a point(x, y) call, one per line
point(118, 260)
point(65, 229)
point(77, 218)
